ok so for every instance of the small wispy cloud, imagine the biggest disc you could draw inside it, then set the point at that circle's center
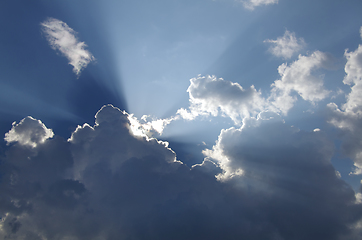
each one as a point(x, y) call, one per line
point(251, 4)
point(286, 46)
point(63, 38)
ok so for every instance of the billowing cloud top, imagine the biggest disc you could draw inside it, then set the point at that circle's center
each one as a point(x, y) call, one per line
point(61, 37)
point(209, 95)
point(28, 132)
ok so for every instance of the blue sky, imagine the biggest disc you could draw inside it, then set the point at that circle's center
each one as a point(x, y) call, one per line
point(205, 119)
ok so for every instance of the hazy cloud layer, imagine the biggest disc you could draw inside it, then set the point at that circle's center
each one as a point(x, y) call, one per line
point(62, 38)
point(106, 183)
point(286, 46)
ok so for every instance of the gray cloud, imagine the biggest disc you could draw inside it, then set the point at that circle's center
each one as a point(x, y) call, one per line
point(107, 183)
point(282, 163)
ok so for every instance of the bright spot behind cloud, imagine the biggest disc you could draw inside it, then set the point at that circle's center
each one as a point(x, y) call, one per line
point(62, 38)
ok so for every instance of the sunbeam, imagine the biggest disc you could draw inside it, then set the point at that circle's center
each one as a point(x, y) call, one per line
point(181, 119)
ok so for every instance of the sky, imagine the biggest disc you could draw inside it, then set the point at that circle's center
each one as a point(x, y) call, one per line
point(180, 119)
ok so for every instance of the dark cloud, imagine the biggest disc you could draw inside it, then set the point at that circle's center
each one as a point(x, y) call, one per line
point(106, 183)
point(291, 170)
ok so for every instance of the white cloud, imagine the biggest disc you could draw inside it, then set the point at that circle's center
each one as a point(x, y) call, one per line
point(251, 4)
point(211, 95)
point(28, 132)
point(150, 127)
point(298, 77)
point(286, 46)
point(353, 77)
point(348, 118)
point(61, 37)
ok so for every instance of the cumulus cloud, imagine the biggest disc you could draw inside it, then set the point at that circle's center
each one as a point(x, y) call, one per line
point(107, 183)
point(286, 46)
point(28, 132)
point(348, 118)
point(276, 161)
point(63, 38)
point(148, 126)
point(209, 95)
point(298, 78)
point(251, 4)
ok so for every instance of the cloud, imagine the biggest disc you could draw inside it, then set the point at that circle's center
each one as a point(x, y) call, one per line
point(348, 117)
point(251, 4)
point(211, 96)
point(286, 46)
point(283, 164)
point(298, 78)
point(107, 183)
point(62, 38)
point(150, 127)
point(28, 132)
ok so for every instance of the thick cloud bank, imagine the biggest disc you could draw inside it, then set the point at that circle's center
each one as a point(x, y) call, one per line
point(275, 182)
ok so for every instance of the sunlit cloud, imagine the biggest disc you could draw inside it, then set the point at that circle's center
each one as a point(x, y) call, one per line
point(348, 117)
point(298, 77)
point(63, 38)
point(28, 132)
point(286, 46)
point(209, 95)
point(241, 151)
point(251, 4)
